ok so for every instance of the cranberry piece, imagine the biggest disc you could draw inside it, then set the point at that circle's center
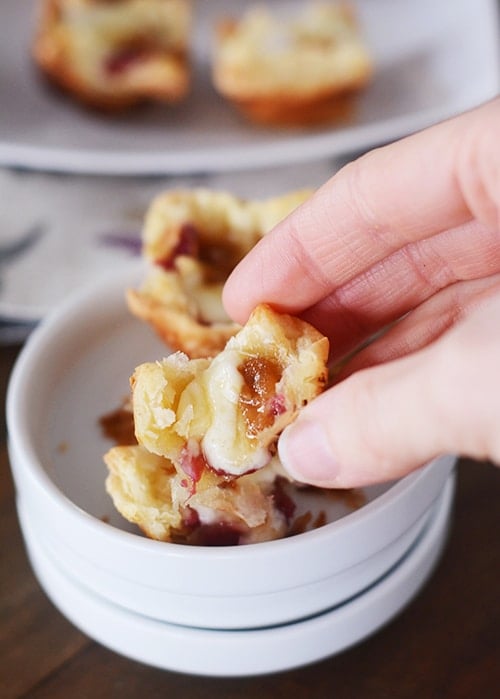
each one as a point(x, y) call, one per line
point(193, 465)
point(282, 499)
point(219, 534)
point(123, 59)
point(190, 518)
point(188, 244)
point(277, 405)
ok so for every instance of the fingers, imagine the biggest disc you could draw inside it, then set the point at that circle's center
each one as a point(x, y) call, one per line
point(383, 422)
point(425, 324)
point(397, 195)
point(403, 281)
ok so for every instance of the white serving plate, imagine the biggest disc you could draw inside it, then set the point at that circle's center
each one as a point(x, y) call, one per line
point(74, 369)
point(242, 652)
point(432, 59)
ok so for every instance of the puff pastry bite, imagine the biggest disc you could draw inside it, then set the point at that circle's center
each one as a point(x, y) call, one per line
point(192, 240)
point(205, 469)
point(299, 71)
point(111, 54)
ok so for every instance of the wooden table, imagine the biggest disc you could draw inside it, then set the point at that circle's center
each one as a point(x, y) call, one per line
point(446, 644)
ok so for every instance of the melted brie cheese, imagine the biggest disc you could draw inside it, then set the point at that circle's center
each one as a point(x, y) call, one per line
point(225, 444)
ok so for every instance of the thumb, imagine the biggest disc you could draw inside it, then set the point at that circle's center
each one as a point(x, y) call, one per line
point(383, 422)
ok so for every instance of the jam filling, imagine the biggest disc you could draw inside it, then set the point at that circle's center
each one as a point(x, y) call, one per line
point(195, 533)
point(220, 256)
point(190, 518)
point(193, 466)
point(127, 57)
point(282, 500)
point(118, 426)
point(218, 534)
point(188, 244)
point(258, 399)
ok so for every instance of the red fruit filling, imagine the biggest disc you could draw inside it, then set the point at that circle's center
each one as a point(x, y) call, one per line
point(218, 254)
point(219, 534)
point(188, 244)
point(193, 466)
point(126, 57)
point(282, 500)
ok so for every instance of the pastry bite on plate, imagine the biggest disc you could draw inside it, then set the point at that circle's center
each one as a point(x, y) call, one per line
point(192, 240)
point(299, 70)
point(112, 54)
point(205, 468)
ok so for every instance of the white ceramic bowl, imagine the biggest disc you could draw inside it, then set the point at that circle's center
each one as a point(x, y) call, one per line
point(251, 651)
point(75, 368)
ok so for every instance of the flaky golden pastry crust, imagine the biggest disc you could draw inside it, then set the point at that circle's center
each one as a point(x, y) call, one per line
point(192, 240)
point(300, 71)
point(113, 54)
point(205, 463)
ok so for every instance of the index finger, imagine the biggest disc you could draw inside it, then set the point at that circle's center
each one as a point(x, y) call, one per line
point(408, 191)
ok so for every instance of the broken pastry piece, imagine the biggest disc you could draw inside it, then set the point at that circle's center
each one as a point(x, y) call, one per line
point(112, 54)
point(300, 71)
point(192, 240)
point(228, 411)
point(205, 469)
point(168, 505)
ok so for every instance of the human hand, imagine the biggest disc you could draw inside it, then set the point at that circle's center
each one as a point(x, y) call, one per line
point(409, 231)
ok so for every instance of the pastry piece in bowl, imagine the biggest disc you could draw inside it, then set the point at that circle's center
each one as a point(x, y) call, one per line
point(192, 240)
point(205, 469)
point(112, 54)
point(148, 491)
point(297, 70)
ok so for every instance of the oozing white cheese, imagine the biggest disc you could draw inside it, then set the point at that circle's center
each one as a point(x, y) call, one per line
point(225, 445)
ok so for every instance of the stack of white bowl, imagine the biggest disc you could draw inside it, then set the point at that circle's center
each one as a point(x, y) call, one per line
point(215, 611)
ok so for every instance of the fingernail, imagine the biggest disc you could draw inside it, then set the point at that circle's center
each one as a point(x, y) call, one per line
point(305, 452)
